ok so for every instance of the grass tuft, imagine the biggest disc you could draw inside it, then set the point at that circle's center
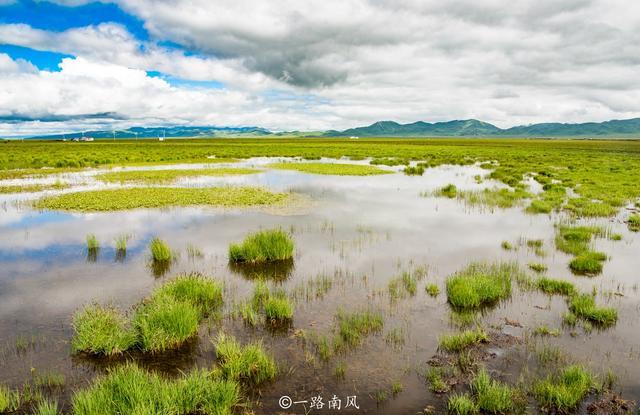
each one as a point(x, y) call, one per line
point(248, 362)
point(449, 191)
point(353, 327)
point(203, 293)
point(584, 306)
point(493, 397)
point(588, 263)
point(480, 285)
point(462, 404)
point(554, 286)
point(563, 392)
point(460, 341)
point(160, 251)
point(101, 330)
point(263, 246)
point(633, 222)
point(278, 308)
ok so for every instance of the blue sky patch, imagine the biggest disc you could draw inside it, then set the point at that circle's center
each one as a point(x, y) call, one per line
point(175, 81)
point(43, 60)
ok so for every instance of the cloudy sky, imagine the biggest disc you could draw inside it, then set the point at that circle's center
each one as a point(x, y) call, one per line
point(69, 65)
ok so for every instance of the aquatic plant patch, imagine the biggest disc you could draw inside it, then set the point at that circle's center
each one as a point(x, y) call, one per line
point(102, 330)
point(337, 169)
point(249, 362)
point(156, 197)
point(263, 246)
point(584, 306)
point(480, 285)
point(168, 176)
point(562, 392)
point(32, 188)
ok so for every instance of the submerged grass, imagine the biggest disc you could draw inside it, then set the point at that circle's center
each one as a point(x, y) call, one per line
point(492, 397)
point(480, 285)
point(128, 389)
point(202, 292)
point(250, 362)
point(633, 222)
point(263, 246)
point(160, 250)
point(32, 188)
point(167, 176)
point(588, 263)
point(352, 327)
point(278, 309)
point(555, 286)
point(156, 197)
point(562, 392)
point(337, 169)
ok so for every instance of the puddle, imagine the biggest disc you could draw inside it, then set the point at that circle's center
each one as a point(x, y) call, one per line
point(360, 232)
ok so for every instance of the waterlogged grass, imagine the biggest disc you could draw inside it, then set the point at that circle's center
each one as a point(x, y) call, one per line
point(537, 266)
point(562, 392)
point(157, 197)
point(576, 239)
point(353, 327)
point(493, 198)
point(588, 263)
point(435, 379)
point(492, 397)
point(168, 176)
point(546, 331)
point(337, 169)
point(46, 407)
point(160, 250)
point(204, 293)
point(102, 330)
point(127, 389)
point(555, 286)
point(32, 188)
point(413, 171)
point(462, 404)
point(460, 341)
point(432, 289)
point(480, 285)
point(263, 246)
point(9, 399)
point(165, 323)
point(584, 306)
point(92, 243)
point(633, 222)
point(278, 309)
point(450, 191)
point(248, 363)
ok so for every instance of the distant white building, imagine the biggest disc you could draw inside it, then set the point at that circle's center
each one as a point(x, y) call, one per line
point(86, 139)
point(354, 137)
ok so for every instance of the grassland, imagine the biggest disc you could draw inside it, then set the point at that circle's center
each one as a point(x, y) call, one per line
point(157, 197)
point(168, 176)
point(331, 169)
point(32, 188)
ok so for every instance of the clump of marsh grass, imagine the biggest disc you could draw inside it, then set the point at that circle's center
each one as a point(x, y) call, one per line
point(46, 407)
point(492, 397)
point(480, 285)
point(588, 263)
point(414, 171)
point(263, 246)
point(462, 404)
point(340, 370)
point(506, 245)
point(93, 247)
point(353, 327)
point(435, 378)
point(584, 306)
point(432, 289)
point(537, 267)
point(555, 286)
point(249, 362)
point(633, 222)
point(9, 399)
point(449, 191)
point(576, 239)
point(563, 392)
point(203, 293)
point(194, 252)
point(160, 251)
point(460, 341)
point(278, 308)
point(50, 380)
point(545, 331)
point(127, 389)
point(121, 243)
point(395, 337)
point(101, 330)
point(165, 322)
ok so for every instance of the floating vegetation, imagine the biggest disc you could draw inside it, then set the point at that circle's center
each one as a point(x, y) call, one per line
point(101, 330)
point(167, 176)
point(32, 188)
point(250, 362)
point(562, 392)
point(480, 285)
point(555, 286)
point(127, 389)
point(460, 341)
point(263, 246)
point(584, 306)
point(338, 169)
point(432, 289)
point(156, 197)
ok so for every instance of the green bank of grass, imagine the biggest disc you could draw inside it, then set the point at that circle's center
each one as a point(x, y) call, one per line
point(460, 341)
point(248, 363)
point(263, 246)
point(168, 176)
point(584, 306)
point(562, 392)
point(34, 173)
point(337, 169)
point(165, 320)
point(555, 286)
point(157, 197)
point(102, 330)
point(32, 188)
point(481, 285)
point(128, 389)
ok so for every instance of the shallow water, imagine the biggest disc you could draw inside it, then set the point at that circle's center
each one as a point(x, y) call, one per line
point(359, 231)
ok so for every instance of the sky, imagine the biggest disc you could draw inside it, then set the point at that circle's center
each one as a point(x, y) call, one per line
point(74, 65)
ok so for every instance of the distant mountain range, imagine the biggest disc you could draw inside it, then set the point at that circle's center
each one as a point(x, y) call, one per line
point(458, 128)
